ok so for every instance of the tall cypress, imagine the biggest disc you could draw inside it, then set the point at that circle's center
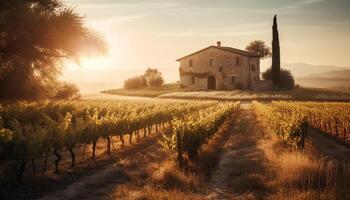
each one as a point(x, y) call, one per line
point(276, 60)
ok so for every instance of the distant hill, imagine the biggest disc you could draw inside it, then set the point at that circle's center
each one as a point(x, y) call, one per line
point(304, 70)
point(336, 79)
point(332, 74)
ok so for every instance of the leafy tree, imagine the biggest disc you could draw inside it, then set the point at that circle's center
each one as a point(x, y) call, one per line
point(153, 77)
point(286, 78)
point(35, 37)
point(259, 47)
point(151, 72)
point(155, 81)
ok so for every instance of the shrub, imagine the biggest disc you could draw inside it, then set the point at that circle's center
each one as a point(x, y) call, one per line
point(67, 91)
point(135, 82)
point(286, 79)
point(155, 81)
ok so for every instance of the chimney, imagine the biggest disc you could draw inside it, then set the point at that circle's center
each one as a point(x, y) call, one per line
point(218, 43)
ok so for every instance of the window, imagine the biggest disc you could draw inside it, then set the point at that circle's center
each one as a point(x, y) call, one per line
point(193, 80)
point(211, 62)
point(190, 63)
point(238, 61)
point(233, 79)
point(253, 67)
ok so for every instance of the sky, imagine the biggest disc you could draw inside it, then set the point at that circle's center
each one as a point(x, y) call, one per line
point(154, 33)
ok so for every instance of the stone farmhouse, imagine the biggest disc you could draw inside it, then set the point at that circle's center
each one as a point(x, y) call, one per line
point(221, 68)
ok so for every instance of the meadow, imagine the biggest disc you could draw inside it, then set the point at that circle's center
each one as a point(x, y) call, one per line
point(175, 91)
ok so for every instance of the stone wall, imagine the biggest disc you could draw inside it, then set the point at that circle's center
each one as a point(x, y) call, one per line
point(224, 66)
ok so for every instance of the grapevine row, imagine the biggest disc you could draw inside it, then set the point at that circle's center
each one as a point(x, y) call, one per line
point(290, 119)
point(332, 118)
point(289, 124)
point(192, 131)
point(30, 130)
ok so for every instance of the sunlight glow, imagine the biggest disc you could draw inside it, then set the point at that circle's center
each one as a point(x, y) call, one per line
point(108, 61)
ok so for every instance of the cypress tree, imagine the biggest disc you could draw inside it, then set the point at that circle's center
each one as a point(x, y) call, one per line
point(276, 61)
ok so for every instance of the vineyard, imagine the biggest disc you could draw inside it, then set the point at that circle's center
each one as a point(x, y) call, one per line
point(180, 141)
point(191, 131)
point(290, 120)
point(30, 131)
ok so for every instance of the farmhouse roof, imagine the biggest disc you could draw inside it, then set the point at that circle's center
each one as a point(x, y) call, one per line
point(229, 49)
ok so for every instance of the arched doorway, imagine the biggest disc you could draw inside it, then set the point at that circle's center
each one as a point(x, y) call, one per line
point(211, 83)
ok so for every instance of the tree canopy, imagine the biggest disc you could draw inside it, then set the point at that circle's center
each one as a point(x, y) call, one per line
point(151, 78)
point(36, 36)
point(259, 47)
point(286, 79)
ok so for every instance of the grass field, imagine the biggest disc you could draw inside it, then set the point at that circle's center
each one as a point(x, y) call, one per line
point(175, 91)
point(299, 93)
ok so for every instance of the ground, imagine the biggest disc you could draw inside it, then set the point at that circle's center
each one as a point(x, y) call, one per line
point(244, 161)
point(242, 164)
point(175, 91)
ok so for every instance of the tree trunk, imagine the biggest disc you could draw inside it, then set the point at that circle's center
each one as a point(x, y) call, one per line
point(179, 149)
point(84, 151)
point(138, 135)
point(157, 128)
point(144, 132)
point(344, 134)
point(108, 145)
point(93, 149)
point(121, 137)
point(111, 138)
point(21, 169)
point(72, 156)
point(130, 138)
point(149, 130)
point(56, 153)
point(45, 162)
point(33, 166)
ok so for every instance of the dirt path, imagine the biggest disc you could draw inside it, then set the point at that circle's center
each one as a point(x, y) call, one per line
point(101, 182)
point(239, 172)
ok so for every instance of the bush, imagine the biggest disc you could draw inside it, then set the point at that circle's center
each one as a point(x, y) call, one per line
point(286, 79)
point(135, 83)
point(155, 81)
point(67, 91)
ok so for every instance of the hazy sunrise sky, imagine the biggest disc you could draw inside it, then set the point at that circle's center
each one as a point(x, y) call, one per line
point(157, 32)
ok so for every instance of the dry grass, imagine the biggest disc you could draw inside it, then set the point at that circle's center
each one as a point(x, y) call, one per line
point(293, 175)
point(148, 91)
point(127, 192)
point(169, 176)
